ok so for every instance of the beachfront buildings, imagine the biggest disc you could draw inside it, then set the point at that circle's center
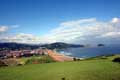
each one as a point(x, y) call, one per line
point(21, 53)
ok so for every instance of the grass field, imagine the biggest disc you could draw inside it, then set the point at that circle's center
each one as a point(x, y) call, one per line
point(101, 69)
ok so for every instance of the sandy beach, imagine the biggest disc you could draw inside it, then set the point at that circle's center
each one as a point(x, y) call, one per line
point(58, 57)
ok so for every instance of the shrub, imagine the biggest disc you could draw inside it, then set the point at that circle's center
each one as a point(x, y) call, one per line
point(31, 61)
point(78, 59)
point(21, 62)
point(11, 62)
point(43, 59)
point(47, 59)
point(63, 78)
point(117, 59)
point(74, 59)
point(2, 63)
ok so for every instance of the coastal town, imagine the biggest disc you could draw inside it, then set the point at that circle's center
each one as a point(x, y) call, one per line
point(4, 54)
point(15, 56)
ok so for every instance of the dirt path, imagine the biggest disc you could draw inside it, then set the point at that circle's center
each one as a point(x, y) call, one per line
point(58, 57)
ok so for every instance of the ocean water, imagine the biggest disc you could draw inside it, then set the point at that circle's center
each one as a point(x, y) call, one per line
point(85, 52)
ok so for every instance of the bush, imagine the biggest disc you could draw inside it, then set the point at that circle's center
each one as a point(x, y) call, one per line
point(47, 59)
point(11, 62)
point(43, 59)
point(117, 59)
point(2, 63)
point(21, 62)
point(32, 61)
point(74, 59)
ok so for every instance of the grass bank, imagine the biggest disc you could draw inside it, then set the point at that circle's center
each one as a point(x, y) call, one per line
point(98, 69)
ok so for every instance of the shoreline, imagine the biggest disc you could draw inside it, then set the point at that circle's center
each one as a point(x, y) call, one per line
point(58, 57)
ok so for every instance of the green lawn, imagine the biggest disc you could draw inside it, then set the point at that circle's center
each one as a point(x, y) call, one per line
point(81, 70)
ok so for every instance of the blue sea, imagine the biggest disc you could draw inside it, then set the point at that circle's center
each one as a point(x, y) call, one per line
point(86, 52)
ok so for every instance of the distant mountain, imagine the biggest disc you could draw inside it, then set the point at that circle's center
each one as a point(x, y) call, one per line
point(60, 45)
point(14, 46)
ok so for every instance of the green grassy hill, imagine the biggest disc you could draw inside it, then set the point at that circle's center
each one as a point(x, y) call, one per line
point(100, 69)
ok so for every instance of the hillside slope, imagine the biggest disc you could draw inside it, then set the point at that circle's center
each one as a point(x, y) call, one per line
point(81, 70)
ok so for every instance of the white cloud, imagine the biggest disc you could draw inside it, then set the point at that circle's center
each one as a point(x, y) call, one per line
point(3, 29)
point(77, 31)
point(115, 20)
point(24, 38)
point(111, 35)
point(15, 26)
point(21, 38)
point(6, 28)
point(83, 31)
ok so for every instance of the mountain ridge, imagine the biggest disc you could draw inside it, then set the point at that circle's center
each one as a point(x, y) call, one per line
point(57, 45)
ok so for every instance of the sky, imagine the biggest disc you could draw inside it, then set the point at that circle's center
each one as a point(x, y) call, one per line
point(71, 21)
